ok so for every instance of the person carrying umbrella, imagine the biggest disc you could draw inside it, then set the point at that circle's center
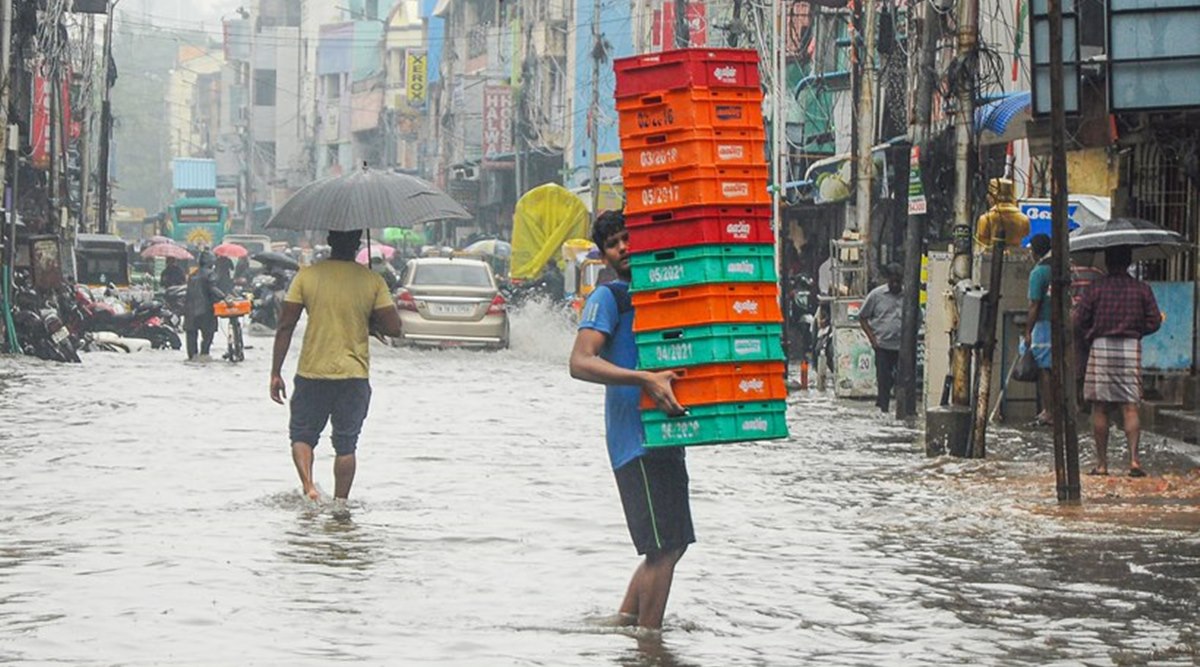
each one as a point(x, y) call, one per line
point(1114, 314)
point(198, 319)
point(172, 274)
point(345, 302)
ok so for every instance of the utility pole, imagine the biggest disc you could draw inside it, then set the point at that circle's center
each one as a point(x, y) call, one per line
point(968, 42)
point(106, 120)
point(779, 155)
point(9, 144)
point(914, 233)
point(597, 53)
point(1066, 443)
point(248, 214)
point(866, 136)
point(85, 135)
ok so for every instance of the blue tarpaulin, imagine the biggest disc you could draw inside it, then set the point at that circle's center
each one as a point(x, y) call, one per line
point(996, 115)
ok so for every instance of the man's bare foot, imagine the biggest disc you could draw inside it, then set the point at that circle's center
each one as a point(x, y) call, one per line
point(312, 493)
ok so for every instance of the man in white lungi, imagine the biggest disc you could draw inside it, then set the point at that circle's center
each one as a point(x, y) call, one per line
point(1114, 314)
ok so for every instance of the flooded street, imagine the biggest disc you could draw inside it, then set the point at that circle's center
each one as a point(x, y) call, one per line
point(152, 515)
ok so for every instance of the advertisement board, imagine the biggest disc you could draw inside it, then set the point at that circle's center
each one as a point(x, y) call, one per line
point(416, 77)
point(497, 121)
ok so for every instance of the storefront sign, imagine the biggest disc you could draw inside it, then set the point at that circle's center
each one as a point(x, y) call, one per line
point(497, 121)
point(416, 84)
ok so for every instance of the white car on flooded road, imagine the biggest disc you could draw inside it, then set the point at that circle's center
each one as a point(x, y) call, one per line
point(450, 302)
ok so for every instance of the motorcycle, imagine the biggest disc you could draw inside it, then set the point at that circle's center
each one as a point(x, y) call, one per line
point(267, 292)
point(174, 300)
point(145, 322)
point(40, 328)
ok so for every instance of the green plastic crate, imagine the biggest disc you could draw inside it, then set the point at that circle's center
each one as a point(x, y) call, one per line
point(709, 344)
point(703, 264)
point(713, 424)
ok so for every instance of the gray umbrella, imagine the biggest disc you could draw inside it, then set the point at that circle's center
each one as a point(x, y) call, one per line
point(272, 258)
point(1147, 240)
point(366, 198)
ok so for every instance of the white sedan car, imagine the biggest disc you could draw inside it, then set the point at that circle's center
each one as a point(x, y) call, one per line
point(447, 302)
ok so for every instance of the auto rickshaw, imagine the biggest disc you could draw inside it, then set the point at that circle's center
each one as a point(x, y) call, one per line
point(102, 260)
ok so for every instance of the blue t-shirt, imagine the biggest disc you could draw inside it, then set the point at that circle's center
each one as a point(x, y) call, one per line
point(1039, 290)
point(622, 418)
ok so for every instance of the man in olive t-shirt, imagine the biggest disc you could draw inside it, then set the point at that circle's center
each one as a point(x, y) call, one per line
point(345, 302)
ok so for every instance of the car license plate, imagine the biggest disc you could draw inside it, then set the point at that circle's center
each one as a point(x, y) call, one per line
point(60, 335)
point(451, 308)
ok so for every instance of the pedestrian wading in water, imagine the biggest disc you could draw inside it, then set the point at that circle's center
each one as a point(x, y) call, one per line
point(345, 302)
point(653, 483)
point(1115, 313)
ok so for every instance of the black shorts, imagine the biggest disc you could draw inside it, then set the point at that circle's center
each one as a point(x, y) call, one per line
point(317, 402)
point(654, 493)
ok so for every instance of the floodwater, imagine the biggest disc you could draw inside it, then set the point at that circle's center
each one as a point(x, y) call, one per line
point(152, 516)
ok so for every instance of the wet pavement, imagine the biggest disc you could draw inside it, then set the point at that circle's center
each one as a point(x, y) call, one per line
point(152, 516)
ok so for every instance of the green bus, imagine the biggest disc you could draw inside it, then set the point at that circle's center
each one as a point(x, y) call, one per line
point(197, 221)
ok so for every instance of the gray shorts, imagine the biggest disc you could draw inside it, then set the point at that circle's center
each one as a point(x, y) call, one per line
point(317, 402)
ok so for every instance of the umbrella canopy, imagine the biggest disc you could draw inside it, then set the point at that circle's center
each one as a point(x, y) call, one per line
point(491, 248)
point(1148, 240)
point(167, 250)
point(384, 251)
point(271, 258)
point(366, 198)
point(158, 239)
point(230, 250)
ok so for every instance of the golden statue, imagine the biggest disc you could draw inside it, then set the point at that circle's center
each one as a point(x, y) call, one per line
point(1003, 214)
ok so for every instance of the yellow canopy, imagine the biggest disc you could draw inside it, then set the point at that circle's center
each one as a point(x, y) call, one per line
point(544, 218)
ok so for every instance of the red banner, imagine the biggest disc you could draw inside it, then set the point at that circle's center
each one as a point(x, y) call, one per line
point(39, 136)
point(663, 29)
point(40, 128)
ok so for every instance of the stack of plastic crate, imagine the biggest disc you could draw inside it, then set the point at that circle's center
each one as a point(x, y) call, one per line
point(699, 217)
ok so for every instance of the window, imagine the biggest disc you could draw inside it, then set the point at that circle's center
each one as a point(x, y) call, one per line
point(264, 87)
point(457, 275)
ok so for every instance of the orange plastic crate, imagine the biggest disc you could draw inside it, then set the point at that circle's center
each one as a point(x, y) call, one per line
point(687, 148)
point(736, 303)
point(231, 309)
point(690, 108)
point(684, 68)
point(696, 186)
point(727, 383)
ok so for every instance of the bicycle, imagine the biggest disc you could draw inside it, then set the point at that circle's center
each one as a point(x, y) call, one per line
point(232, 310)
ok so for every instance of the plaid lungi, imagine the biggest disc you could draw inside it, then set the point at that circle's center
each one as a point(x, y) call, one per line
point(1114, 371)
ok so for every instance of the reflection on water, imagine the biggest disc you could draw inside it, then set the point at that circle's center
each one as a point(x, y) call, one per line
point(152, 515)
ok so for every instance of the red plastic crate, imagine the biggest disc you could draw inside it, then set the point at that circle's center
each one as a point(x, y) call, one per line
point(727, 383)
point(685, 68)
point(695, 186)
point(687, 148)
point(734, 303)
point(699, 225)
point(690, 108)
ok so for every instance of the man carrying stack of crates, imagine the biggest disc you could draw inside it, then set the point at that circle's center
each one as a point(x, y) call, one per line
point(691, 334)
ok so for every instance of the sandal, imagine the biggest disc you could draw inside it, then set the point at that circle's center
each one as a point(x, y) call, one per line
point(1137, 472)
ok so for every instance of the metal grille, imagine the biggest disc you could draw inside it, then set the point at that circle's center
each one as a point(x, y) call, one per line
point(1161, 192)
